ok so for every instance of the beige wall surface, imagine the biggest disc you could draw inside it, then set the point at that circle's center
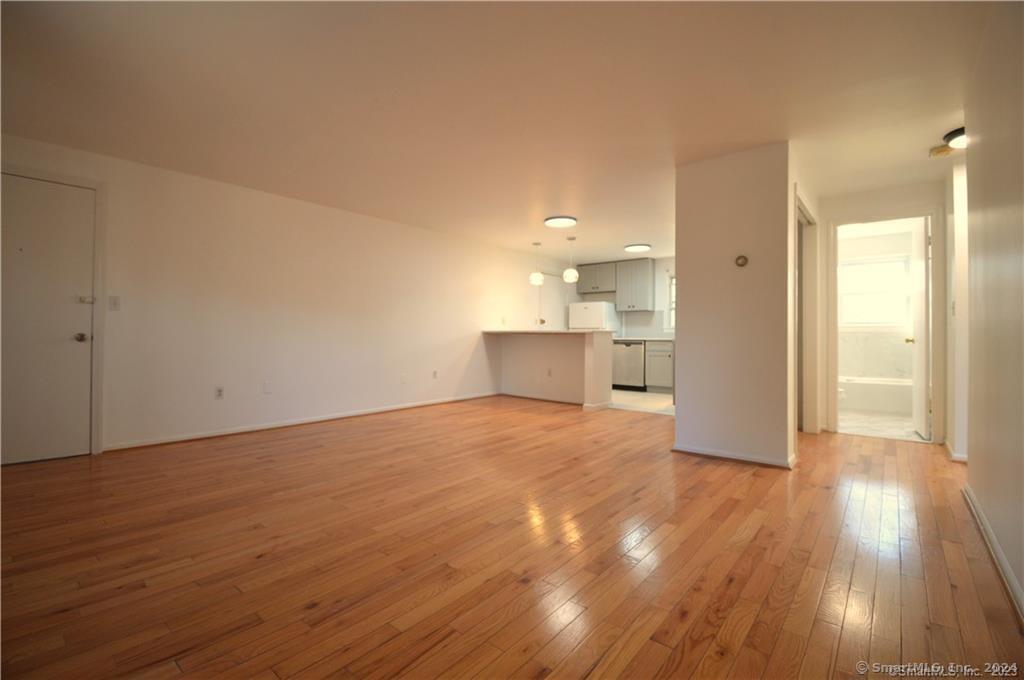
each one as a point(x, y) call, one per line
point(995, 186)
point(733, 339)
point(336, 312)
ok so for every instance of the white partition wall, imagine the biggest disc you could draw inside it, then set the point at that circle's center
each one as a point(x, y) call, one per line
point(734, 388)
point(995, 186)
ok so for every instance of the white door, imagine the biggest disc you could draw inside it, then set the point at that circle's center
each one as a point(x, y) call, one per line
point(47, 319)
point(920, 339)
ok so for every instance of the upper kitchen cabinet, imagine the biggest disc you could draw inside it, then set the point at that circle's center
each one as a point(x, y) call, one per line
point(596, 278)
point(634, 285)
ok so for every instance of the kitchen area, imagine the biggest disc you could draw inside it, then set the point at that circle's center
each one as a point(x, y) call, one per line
point(609, 343)
point(635, 300)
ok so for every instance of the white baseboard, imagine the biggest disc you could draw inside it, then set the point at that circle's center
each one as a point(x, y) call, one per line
point(954, 456)
point(287, 423)
point(597, 407)
point(745, 458)
point(1013, 586)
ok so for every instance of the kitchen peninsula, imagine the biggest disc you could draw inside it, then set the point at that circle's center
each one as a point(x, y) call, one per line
point(572, 366)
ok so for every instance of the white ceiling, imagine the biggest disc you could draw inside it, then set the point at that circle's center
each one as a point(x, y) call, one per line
point(481, 119)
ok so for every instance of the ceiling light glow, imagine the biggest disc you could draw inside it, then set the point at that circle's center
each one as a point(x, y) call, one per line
point(560, 222)
point(637, 248)
point(956, 139)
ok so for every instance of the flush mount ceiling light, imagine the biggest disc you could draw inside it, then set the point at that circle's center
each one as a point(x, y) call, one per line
point(570, 275)
point(560, 222)
point(537, 276)
point(956, 139)
point(637, 247)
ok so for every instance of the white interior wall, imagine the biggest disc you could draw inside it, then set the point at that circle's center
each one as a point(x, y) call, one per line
point(226, 286)
point(914, 200)
point(958, 306)
point(994, 117)
point(734, 386)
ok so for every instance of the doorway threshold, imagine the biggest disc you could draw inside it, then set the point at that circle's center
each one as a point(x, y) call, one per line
point(874, 424)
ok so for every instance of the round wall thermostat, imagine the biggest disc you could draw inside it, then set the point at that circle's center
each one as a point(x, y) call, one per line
point(741, 260)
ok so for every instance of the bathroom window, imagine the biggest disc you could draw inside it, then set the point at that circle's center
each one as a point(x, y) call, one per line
point(671, 323)
point(875, 292)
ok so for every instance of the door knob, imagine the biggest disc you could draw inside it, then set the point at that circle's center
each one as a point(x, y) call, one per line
point(909, 341)
point(81, 337)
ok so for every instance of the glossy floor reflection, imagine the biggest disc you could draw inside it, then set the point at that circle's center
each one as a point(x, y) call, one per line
point(492, 538)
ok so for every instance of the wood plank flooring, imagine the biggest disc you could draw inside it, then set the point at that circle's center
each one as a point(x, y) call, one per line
point(493, 538)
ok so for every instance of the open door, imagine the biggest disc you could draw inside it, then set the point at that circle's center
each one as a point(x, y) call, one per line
point(919, 336)
point(883, 328)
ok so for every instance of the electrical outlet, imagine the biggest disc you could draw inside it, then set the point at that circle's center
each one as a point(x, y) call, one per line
point(114, 303)
point(218, 392)
point(267, 387)
point(402, 378)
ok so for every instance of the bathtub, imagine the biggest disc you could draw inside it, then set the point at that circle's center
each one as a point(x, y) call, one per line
point(879, 395)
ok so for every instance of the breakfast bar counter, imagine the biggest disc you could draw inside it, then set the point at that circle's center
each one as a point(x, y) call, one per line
point(572, 366)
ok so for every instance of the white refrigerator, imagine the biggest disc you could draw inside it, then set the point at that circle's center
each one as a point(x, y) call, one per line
point(599, 316)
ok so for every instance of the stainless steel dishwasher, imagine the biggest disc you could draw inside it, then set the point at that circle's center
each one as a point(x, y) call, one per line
point(628, 364)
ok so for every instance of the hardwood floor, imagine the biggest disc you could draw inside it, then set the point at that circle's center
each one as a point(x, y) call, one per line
point(493, 538)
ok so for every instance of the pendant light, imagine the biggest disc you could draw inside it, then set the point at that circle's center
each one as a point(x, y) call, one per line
point(537, 276)
point(570, 275)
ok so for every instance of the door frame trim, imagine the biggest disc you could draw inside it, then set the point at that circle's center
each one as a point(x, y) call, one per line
point(934, 213)
point(99, 306)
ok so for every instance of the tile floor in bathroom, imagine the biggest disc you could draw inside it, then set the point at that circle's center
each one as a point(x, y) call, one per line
point(885, 425)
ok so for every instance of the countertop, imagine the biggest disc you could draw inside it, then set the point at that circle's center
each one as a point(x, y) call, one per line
point(634, 339)
point(573, 331)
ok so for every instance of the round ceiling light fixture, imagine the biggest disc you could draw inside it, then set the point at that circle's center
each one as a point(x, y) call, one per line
point(956, 139)
point(637, 247)
point(571, 275)
point(560, 222)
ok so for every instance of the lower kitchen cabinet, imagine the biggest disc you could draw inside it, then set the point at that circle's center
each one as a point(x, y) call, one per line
point(659, 363)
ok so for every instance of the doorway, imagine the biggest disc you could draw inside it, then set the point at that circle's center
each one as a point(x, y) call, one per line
point(49, 246)
point(883, 333)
